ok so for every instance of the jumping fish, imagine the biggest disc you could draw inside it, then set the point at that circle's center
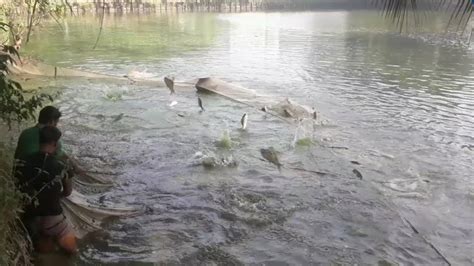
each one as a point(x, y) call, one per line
point(357, 173)
point(118, 117)
point(315, 114)
point(271, 155)
point(243, 121)
point(169, 81)
point(288, 113)
point(468, 146)
point(200, 104)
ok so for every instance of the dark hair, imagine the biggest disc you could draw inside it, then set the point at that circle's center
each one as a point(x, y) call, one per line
point(49, 134)
point(48, 114)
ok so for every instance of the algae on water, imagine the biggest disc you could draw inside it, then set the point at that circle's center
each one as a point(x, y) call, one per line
point(114, 95)
point(304, 142)
point(225, 142)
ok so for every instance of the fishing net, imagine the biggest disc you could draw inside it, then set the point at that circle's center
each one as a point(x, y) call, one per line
point(32, 67)
point(87, 215)
point(284, 109)
point(83, 209)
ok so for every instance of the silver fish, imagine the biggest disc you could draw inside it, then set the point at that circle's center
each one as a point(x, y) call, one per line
point(288, 113)
point(271, 155)
point(169, 81)
point(200, 103)
point(315, 114)
point(243, 121)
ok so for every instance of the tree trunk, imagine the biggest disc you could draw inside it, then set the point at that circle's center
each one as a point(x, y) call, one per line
point(31, 21)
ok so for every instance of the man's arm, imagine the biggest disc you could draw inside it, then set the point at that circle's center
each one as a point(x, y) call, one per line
point(60, 170)
point(63, 157)
point(67, 186)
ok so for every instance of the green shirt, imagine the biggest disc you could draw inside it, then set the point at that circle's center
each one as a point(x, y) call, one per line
point(28, 143)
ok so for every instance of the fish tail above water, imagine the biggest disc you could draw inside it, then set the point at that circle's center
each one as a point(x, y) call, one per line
point(200, 104)
point(169, 81)
point(243, 121)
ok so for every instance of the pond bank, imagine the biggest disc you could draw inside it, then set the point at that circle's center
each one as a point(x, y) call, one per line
point(14, 247)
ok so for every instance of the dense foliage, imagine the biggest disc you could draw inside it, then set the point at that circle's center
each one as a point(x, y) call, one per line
point(400, 11)
point(14, 106)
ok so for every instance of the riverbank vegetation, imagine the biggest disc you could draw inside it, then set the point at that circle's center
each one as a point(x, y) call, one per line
point(16, 106)
point(403, 12)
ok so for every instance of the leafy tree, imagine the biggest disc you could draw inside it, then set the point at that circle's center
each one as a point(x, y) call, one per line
point(22, 16)
point(14, 106)
point(398, 11)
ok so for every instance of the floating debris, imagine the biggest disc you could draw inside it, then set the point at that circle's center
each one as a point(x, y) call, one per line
point(384, 263)
point(355, 162)
point(213, 162)
point(289, 108)
point(338, 147)
point(173, 103)
point(114, 96)
point(308, 171)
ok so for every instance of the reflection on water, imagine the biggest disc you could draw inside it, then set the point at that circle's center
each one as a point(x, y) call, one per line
point(402, 106)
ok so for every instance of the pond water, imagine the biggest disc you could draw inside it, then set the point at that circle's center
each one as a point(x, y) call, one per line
point(400, 106)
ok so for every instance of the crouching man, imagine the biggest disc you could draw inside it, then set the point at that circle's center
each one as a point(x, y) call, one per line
point(45, 180)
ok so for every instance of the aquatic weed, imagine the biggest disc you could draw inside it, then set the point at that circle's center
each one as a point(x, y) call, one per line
point(225, 142)
point(304, 142)
point(114, 96)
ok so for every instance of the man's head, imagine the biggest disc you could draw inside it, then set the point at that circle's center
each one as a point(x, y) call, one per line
point(49, 116)
point(49, 137)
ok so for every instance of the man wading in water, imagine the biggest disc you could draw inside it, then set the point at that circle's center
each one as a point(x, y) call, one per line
point(29, 144)
point(46, 180)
